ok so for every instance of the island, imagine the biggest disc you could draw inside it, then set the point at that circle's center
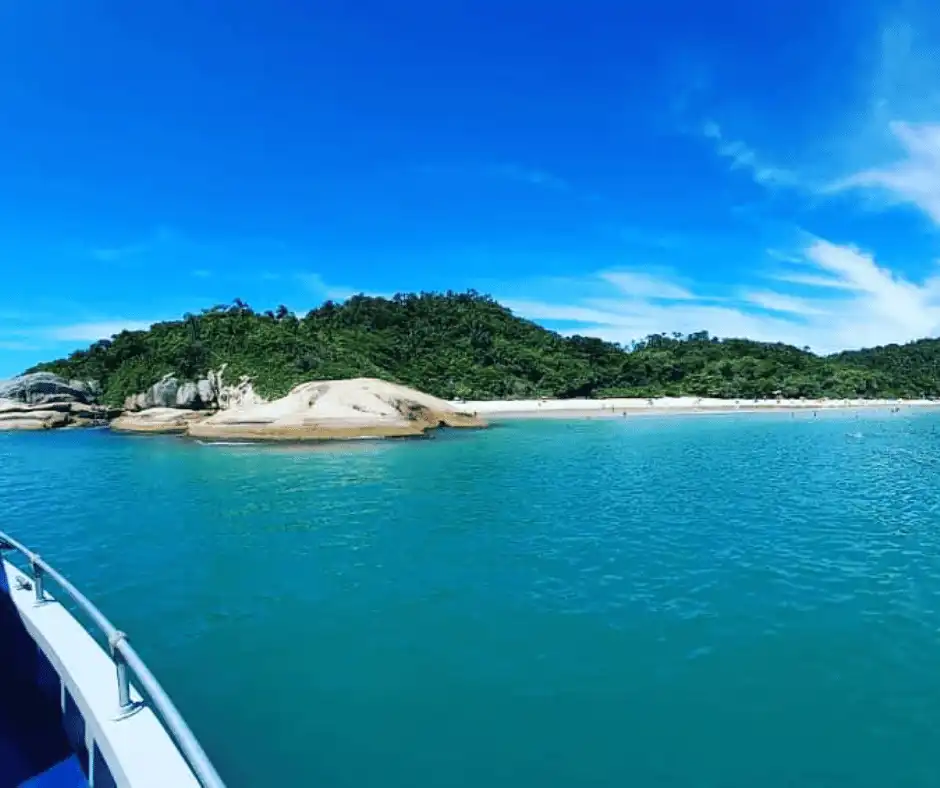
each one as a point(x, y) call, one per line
point(404, 365)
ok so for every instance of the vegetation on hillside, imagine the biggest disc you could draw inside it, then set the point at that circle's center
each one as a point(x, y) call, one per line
point(467, 345)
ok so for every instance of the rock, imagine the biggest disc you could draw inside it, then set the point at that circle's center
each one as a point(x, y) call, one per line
point(335, 409)
point(45, 401)
point(22, 425)
point(11, 406)
point(171, 392)
point(137, 401)
point(91, 388)
point(31, 417)
point(163, 393)
point(33, 413)
point(156, 420)
point(239, 395)
point(187, 395)
point(39, 387)
point(206, 393)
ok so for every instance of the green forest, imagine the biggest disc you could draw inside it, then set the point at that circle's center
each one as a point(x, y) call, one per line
point(467, 345)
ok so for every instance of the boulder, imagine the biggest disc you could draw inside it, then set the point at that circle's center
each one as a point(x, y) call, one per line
point(163, 393)
point(206, 393)
point(335, 409)
point(156, 420)
point(22, 425)
point(39, 387)
point(187, 395)
point(171, 392)
point(41, 401)
point(31, 418)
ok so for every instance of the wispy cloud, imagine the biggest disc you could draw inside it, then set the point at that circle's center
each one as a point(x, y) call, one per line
point(843, 299)
point(892, 143)
point(93, 331)
point(15, 344)
point(110, 254)
point(154, 241)
point(528, 175)
point(645, 285)
point(912, 179)
point(778, 302)
point(319, 288)
point(508, 172)
point(743, 157)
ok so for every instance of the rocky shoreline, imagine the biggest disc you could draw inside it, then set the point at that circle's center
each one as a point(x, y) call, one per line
point(210, 410)
point(315, 411)
point(42, 401)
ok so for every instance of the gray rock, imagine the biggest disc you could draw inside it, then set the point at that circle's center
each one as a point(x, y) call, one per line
point(187, 396)
point(170, 392)
point(163, 393)
point(207, 392)
point(143, 401)
point(38, 387)
point(91, 388)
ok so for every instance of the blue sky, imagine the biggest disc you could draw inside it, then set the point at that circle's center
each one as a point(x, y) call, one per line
point(768, 169)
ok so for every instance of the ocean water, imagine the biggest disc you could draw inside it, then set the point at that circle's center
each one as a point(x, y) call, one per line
point(745, 600)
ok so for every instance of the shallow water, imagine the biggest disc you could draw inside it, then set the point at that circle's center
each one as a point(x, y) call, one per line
point(731, 600)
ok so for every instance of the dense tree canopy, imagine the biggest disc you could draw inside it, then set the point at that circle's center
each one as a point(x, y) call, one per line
point(467, 345)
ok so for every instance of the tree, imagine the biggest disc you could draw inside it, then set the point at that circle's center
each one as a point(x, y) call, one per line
point(468, 345)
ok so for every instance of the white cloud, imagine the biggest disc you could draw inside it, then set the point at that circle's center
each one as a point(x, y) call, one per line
point(812, 280)
point(777, 302)
point(912, 179)
point(844, 300)
point(643, 285)
point(743, 157)
point(91, 332)
point(323, 291)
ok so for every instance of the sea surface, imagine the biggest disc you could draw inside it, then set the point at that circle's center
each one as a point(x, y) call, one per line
point(724, 600)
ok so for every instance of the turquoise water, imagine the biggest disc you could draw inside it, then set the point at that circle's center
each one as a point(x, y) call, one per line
point(703, 601)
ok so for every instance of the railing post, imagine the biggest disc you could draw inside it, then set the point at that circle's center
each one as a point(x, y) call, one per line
point(126, 706)
point(37, 579)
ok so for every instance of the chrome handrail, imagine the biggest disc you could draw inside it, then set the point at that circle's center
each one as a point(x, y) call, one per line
point(125, 658)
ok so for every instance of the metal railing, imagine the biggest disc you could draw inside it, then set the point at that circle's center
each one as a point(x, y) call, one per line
point(126, 661)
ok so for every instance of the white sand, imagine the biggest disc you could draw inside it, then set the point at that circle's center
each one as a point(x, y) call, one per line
point(550, 408)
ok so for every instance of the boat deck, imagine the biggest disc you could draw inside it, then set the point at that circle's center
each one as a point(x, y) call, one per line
point(34, 749)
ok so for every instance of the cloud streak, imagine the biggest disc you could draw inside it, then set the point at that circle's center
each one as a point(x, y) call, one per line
point(743, 157)
point(830, 298)
point(913, 179)
point(528, 175)
point(93, 331)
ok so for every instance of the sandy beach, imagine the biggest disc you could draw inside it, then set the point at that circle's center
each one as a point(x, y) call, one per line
point(621, 407)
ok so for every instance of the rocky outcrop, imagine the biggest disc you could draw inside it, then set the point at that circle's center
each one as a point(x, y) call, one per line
point(37, 388)
point(165, 393)
point(157, 420)
point(335, 409)
point(42, 401)
point(208, 393)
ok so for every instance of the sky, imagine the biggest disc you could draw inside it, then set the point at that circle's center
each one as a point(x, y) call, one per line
point(766, 169)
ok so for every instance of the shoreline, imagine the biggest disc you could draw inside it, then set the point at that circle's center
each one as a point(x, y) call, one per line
point(498, 410)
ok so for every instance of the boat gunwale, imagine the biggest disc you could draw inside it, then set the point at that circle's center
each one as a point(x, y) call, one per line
point(157, 704)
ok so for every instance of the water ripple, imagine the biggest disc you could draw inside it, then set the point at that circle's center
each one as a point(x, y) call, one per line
point(646, 602)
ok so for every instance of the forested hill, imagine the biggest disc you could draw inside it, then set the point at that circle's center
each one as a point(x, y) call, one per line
point(467, 345)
